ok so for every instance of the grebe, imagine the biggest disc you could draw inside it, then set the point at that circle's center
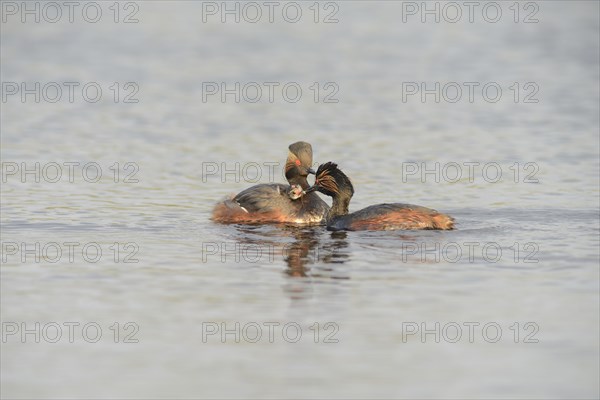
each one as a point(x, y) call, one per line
point(275, 202)
point(334, 183)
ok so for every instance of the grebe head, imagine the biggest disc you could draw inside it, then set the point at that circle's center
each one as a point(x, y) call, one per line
point(295, 192)
point(298, 163)
point(332, 182)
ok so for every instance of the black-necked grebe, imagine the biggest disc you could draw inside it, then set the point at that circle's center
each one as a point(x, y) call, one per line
point(277, 203)
point(334, 183)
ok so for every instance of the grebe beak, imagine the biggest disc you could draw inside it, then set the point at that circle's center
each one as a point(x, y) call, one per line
point(310, 189)
point(311, 171)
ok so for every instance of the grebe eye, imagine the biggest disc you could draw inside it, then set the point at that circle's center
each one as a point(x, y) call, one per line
point(298, 162)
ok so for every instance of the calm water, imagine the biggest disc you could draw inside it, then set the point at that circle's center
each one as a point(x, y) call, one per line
point(507, 305)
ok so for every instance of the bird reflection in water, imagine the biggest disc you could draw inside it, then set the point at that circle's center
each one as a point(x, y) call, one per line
point(308, 250)
point(309, 254)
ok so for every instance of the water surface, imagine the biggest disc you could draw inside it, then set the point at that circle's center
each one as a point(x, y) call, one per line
point(524, 257)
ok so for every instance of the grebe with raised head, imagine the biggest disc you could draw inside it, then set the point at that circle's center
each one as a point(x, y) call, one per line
point(331, 181)
point(275, 202)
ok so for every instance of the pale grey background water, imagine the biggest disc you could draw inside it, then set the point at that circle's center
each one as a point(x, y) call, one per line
point(369, 285)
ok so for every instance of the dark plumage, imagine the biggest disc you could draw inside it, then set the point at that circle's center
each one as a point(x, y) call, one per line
point(332, 182)
point(274, 203)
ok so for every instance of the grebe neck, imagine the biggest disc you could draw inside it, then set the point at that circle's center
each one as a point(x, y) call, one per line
point(339, 206)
